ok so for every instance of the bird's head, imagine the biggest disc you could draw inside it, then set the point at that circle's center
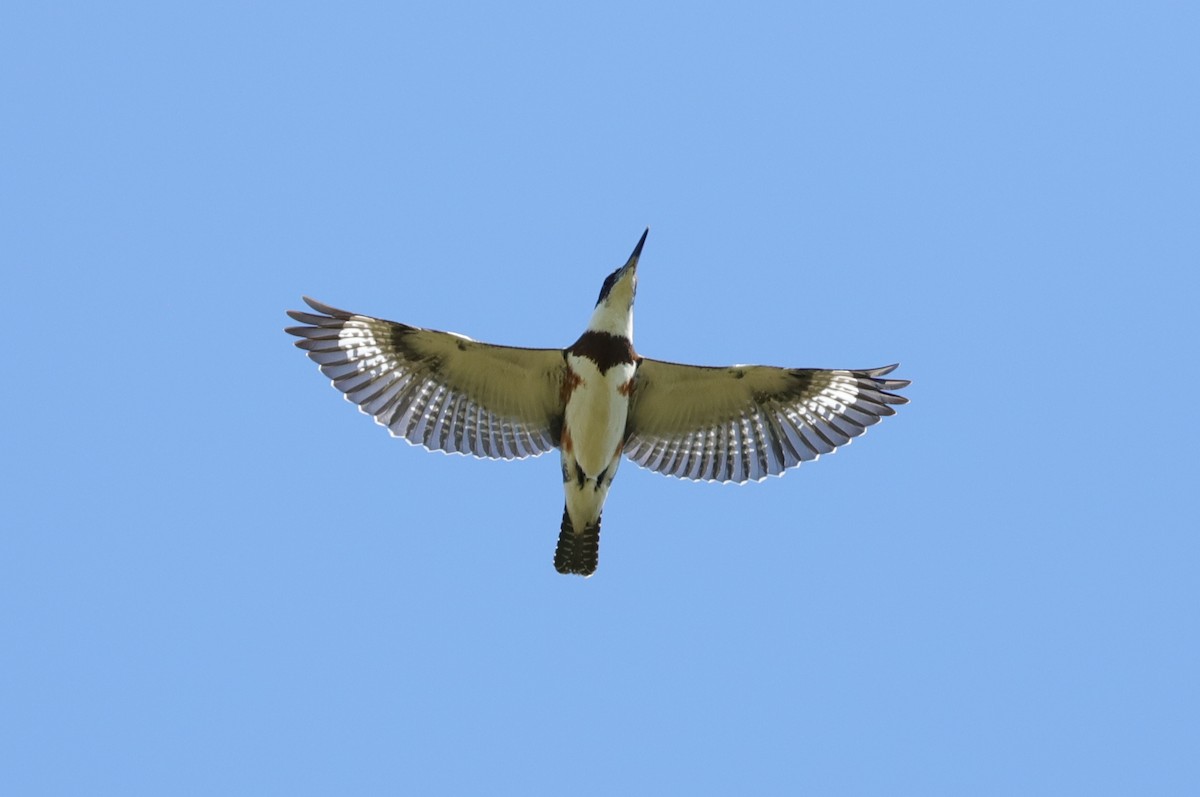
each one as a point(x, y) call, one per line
point(614, 308)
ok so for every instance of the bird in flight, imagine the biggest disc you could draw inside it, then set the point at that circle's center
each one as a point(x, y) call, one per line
point(594, 401)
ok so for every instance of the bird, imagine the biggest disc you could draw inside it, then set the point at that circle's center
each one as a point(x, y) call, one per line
point(596, 401)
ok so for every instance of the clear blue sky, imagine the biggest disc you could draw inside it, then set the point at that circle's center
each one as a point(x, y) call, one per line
point(217, 577)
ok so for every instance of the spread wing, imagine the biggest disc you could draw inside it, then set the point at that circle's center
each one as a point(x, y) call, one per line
point(747, 422)
point(437, 389)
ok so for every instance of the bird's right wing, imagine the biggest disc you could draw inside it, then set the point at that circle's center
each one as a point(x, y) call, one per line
point(437, 389)
point(746, 422)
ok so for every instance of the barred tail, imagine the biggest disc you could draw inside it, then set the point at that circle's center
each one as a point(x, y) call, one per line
point(577, 553)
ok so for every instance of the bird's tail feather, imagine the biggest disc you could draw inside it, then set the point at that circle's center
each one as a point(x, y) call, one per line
point(577, 553)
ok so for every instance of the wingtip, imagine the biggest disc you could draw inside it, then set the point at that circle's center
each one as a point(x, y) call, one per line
point(326, 309)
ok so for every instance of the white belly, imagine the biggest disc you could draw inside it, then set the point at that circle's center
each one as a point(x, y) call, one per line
point(596, 413)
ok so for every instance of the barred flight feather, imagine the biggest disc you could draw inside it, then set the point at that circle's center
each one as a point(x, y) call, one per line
point(745, 423)
point(436, 389)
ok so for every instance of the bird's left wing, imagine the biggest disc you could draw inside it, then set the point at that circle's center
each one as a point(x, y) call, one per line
point(747, 422)
point(443, 391)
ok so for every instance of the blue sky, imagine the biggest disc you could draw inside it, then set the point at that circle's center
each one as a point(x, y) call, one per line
point(216, 577)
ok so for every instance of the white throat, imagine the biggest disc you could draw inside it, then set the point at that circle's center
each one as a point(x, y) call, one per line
point(614, 316)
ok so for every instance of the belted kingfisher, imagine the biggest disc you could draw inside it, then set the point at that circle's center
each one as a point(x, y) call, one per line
point(595, 401)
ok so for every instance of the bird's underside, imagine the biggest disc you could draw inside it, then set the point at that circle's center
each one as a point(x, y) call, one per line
point(449, 393)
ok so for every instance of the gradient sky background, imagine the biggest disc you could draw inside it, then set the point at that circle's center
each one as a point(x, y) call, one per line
point(217, 577)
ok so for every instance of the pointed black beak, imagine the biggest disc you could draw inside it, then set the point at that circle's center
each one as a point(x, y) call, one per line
point(637, 250)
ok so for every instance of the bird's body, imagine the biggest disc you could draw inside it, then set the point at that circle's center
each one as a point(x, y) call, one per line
point(595, 401)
